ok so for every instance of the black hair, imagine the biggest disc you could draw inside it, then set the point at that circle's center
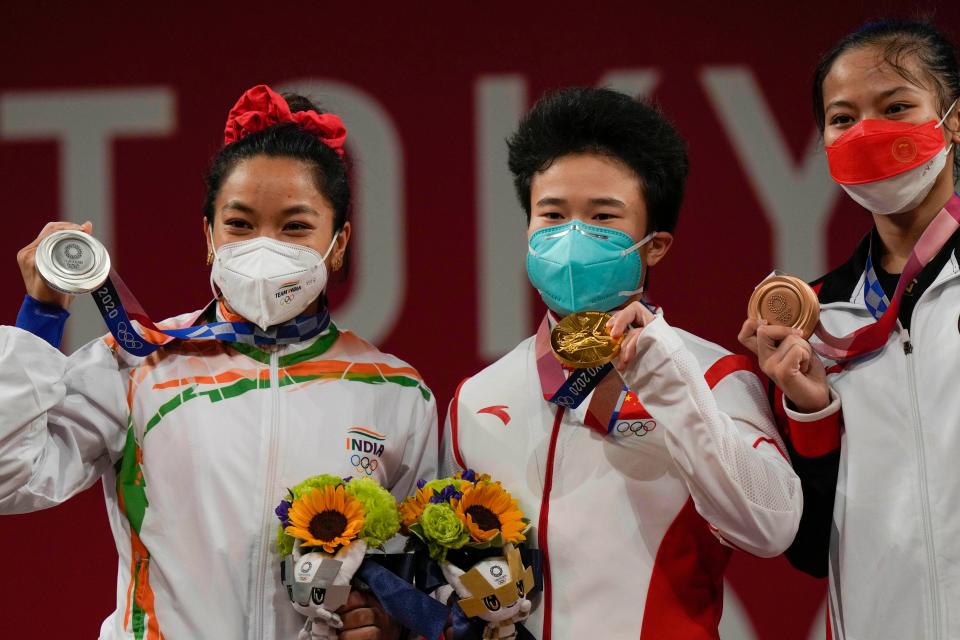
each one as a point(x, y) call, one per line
point(897, 41)
point(286, 140)
point(590, 120)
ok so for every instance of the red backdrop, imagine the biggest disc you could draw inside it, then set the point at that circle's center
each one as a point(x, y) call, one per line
point(435, 86)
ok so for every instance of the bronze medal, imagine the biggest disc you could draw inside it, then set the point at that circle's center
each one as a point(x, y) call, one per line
point(786, 301)
point(581, 340)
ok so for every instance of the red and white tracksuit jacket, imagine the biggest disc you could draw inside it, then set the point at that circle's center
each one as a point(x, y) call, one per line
point(631, 521)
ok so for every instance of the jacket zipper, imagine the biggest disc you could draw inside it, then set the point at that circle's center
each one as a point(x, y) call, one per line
point(924, 490)
point(258, 628)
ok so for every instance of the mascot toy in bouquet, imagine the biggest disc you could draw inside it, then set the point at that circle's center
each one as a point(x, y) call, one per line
point(327, 524)
point(469, 525)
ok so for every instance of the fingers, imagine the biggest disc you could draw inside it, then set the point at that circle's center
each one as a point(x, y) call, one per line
point(634, 314)
point(748, 334)
point(769, 337)
point(366, 633)
point(359, 617)
point(628, 350)
point(364, 618)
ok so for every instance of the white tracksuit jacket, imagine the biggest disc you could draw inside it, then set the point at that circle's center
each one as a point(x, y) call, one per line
point(196, 445)
point(631, 522)
point(891, 539)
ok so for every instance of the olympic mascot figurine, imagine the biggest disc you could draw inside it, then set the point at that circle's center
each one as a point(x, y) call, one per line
point(326, 526)
point(494, 590)
point(470, 511)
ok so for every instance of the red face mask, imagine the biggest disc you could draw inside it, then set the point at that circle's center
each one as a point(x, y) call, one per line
point(874, 150)
point(888, 166)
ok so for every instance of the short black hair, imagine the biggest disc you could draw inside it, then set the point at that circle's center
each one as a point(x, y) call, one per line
point(897, 40)
point(285, 140)
point(590, 120)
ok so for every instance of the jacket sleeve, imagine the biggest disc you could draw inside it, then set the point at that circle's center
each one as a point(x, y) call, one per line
point(814, 444)
point(723, 441)
point(43, 320)
point(62, 419)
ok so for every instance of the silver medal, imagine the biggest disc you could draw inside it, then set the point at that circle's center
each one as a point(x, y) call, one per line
point(73, 262)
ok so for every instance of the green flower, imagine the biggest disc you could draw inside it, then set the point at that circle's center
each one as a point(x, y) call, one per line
point(381, 520)
point(284, 542)
point(315, 482)
point(438, 485)
point(442, 530)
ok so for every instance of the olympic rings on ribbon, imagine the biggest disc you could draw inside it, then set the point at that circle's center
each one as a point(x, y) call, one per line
point(364, 464)
point(127, 337)
point(638, 428)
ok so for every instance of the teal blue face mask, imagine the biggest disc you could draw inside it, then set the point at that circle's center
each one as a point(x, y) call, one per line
point(582, 267)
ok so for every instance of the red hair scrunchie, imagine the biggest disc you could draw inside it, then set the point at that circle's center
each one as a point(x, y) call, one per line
point(260, 107)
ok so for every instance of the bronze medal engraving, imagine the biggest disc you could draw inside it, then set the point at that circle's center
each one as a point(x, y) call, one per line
point(581, 340)
point(787, 301)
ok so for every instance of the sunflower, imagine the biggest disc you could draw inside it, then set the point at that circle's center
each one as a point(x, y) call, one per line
point(486, 509)
point(412, 508)
point(325, 517)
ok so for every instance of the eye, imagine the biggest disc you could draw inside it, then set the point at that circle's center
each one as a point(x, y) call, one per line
point(604, 217)
point(318, 596)
point(492, 603)
point(552, 215)
point(297, 226)
point(897, 107)
point(840, 120)
point(237, 223)
point(520, 588)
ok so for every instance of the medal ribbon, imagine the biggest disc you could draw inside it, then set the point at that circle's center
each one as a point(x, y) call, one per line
point(120, 309)
point(874, 335)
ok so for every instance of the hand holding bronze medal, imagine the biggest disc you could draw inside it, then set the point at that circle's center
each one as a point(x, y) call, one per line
point(785, 301)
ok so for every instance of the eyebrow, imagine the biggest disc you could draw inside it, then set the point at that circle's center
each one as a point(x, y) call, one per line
point(237, 205)
point(882, 96)
point(601, 202)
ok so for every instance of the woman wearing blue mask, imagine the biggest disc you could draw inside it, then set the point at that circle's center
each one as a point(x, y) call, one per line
point(879, 476)
point(640, 487)
point(198, 441)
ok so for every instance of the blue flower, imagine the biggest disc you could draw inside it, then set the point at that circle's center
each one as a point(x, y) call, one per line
point(283, 512)
point(469, 475)
point(421, 483)
point(447, 494)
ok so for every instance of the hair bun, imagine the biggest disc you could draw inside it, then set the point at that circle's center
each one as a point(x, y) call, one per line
point(260, 107)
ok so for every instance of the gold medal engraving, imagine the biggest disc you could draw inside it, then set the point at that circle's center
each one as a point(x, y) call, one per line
point(581, 340)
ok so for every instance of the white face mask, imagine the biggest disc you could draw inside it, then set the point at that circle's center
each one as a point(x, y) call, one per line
point(902, 192)
point(268, 281)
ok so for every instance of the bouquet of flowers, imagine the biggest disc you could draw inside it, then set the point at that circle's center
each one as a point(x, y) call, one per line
point(470, 510)
point(327, 524)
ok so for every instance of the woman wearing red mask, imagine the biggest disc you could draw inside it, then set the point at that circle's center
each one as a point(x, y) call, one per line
point(198, 442)
point(879, 474)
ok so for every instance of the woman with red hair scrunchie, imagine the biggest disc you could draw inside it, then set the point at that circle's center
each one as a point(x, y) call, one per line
point(198, 442)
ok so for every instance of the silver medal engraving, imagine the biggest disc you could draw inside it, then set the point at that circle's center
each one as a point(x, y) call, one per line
point(72, 262)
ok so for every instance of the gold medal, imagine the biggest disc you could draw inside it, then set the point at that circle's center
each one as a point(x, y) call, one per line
point(581, 340)
point(786, 301)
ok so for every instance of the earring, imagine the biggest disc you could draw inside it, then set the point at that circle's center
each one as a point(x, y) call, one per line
point(337, 263)
point(209, 258)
